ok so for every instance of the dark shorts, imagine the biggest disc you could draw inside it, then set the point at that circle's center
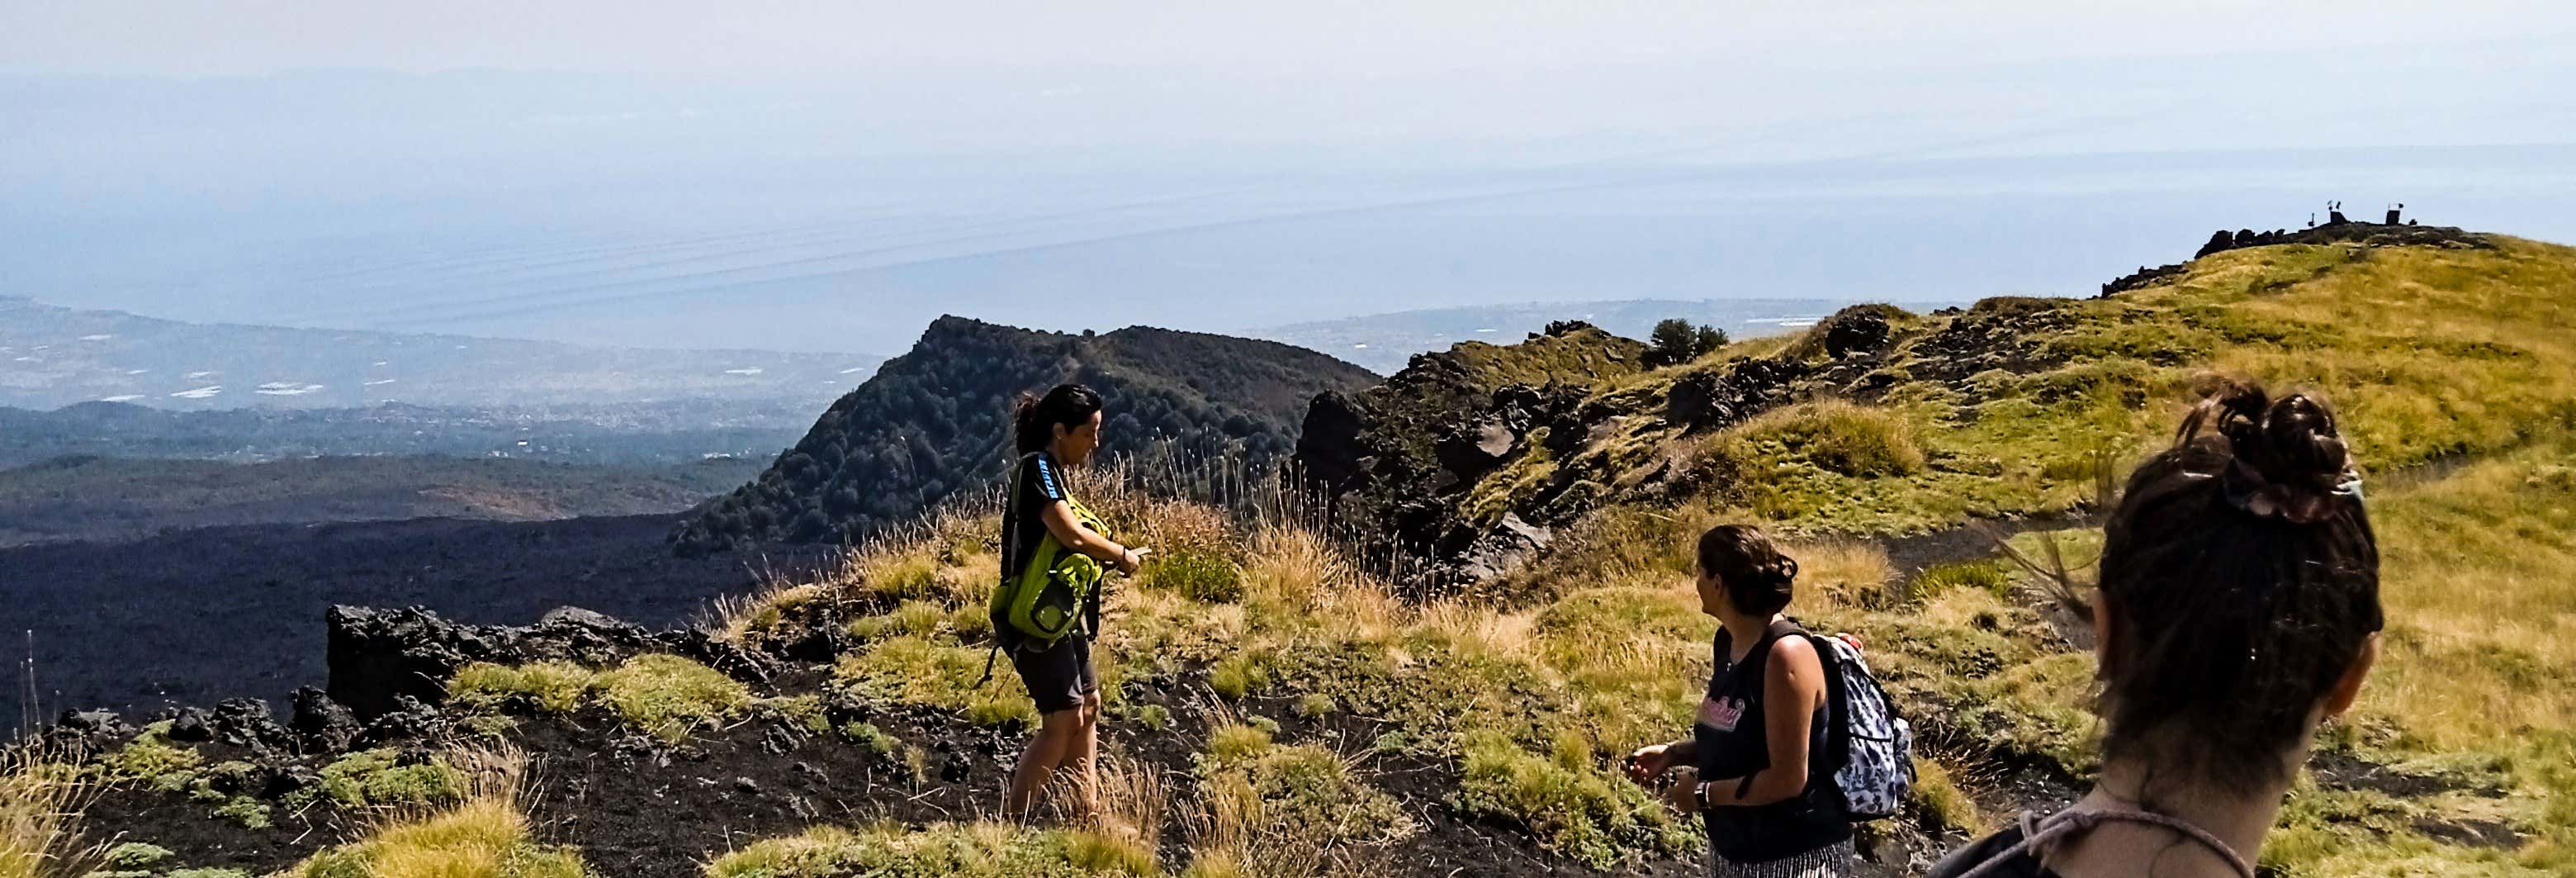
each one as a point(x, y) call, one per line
point(1058, 676)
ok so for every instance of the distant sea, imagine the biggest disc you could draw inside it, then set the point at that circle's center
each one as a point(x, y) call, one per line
point(833, 257)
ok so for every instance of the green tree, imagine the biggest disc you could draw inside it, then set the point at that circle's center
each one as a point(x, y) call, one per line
point(1676, 341)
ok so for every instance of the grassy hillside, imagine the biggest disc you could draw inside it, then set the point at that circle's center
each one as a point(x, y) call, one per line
point(2456, 382)
point(90, 498)
point(936, 421)
point(1275, 708)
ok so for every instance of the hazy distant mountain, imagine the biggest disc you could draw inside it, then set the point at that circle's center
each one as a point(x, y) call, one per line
point(104, 498)
point(53, 356)
point(676, 431)
point(936, 420)
point(1384, 342)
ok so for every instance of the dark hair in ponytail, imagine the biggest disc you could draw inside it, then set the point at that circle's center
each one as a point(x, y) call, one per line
point(2241, 578)
point(1034, 418)
point(1758, 578)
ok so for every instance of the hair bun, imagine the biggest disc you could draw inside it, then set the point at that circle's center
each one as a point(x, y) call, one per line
point(2285, 456)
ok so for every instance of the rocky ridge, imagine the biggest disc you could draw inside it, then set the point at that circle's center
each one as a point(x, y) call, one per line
point(1478, 476)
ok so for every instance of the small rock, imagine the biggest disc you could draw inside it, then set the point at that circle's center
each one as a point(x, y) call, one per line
point(101, 722)
point(746, 785)
point(189, 727)
point(247, 723)
point(322, 725)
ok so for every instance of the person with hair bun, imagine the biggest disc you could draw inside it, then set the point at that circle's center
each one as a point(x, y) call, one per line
point(1051, 432)
point(2238, 610)
point(1754, 765)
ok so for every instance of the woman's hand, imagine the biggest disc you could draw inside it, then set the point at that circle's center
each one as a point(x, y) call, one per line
point(1683, 795)
point(1649, 762)
point(1131, 560)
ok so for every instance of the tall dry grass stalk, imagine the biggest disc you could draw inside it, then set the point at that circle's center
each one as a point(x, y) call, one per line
point(486, 835)
point(943, 551)
point(2068, 584)
point(1135, 799)
point(1843, 573)
point(1257, 495)
point(41, 797)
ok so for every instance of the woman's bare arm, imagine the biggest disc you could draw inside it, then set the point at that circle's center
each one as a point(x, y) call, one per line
point(1793, 684)
point(1069, 531)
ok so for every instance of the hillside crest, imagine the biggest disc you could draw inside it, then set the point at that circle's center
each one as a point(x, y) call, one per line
point(934, 422)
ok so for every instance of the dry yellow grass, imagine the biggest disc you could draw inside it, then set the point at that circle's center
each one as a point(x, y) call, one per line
point(40, 803)
point(2479, 579)
point(2431, 355)
point(485, 836)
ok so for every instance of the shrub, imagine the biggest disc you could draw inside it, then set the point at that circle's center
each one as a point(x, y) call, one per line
point(1989, 575)
point(553, 687)
point(1197, 574)
point(804, 711)
point(1241, 673)
point(151, 756)
point(1831, 435)
point(249, 812)
point(915, 670)
point(483, 838)
point(1300, 797)
point(1234, 743)
point(1676, 341)
point(378, 777)
point(134, 855)
point(870, 738)
point(1938, 803)
point(978, 850)
point(41, 799)
point(1579, 810)
point(905, 577)
point(669, 696)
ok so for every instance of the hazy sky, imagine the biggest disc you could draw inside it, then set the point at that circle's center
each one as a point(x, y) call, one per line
point(1338, 37)
point(830, 175)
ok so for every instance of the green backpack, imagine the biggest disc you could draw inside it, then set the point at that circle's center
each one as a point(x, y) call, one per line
point(1047, 599)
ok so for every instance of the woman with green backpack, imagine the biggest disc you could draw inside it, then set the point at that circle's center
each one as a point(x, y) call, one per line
point(1047, 606)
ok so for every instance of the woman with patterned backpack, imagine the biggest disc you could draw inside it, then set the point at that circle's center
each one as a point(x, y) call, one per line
point(2238, 609)
point(1757, 764)
point(1047, 607)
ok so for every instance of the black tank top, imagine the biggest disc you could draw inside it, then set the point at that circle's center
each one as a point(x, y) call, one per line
point(1734, 743)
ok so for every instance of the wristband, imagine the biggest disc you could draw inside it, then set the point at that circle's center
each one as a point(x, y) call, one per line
point(1703, 796)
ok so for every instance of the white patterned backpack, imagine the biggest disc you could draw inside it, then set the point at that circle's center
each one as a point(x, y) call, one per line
point(1872, 752)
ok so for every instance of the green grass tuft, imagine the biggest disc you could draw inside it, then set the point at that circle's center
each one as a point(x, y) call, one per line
point(378, 778)
point(1580, 811)
point(981, 850)
point(551, 687)
point(669, 696)
point(1197, 574)
point(134, 855)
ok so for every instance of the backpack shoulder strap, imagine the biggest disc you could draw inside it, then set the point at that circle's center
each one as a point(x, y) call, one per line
point(2037, 835)
point(1758, 663)
point(1759, 660)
